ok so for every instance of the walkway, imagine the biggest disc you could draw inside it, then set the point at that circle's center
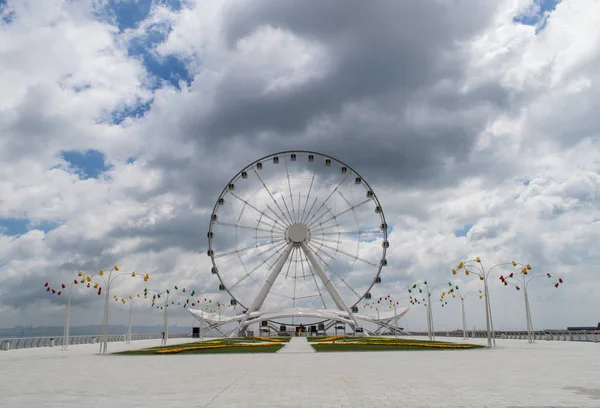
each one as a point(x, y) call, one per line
point(516, 374)
point(297, 345)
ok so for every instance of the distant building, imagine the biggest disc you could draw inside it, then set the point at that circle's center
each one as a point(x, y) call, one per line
point(584, 328)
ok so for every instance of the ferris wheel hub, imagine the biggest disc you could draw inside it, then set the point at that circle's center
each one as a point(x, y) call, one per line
point(297, 233)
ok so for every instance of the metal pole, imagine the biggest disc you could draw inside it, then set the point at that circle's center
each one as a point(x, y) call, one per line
point(129, 328)
point(65, 345)
point(200, 329)
point(104, 339)
point(530, 335)
point(396, 320)
point(487, 314)
point(464, 319)
point(429, 317)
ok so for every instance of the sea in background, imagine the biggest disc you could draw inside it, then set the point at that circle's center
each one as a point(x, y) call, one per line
point(57, 331)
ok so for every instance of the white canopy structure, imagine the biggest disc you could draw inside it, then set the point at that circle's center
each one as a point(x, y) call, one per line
point(385, 320)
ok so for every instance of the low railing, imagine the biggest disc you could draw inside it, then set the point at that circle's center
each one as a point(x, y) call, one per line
point(33, 342)
point(549, 335)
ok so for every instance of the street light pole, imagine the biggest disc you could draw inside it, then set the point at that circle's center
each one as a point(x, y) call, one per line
point(524, 282)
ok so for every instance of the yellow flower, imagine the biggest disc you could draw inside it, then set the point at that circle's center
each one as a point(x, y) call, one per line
point(460, 265)
point(116, 268)
point(80, 273)
point(477, 259)
point(453, 271)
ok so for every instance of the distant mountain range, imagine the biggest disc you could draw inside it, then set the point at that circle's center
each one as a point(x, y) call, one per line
point(49, 331)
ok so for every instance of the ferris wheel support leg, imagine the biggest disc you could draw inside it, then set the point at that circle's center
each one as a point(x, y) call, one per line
point(335, 295)
point(264, 291)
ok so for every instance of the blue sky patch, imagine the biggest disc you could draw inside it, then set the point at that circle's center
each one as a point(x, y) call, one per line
point(129, 13)
point(132, 111)
point(19, 226)
point(463, 231)
point(537, 14)
point(88, 164)
point(7, 15)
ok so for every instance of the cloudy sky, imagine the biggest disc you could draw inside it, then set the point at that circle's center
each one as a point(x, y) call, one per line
point(476, 123)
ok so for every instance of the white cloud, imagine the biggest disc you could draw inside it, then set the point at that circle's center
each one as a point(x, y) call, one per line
point(504, 140)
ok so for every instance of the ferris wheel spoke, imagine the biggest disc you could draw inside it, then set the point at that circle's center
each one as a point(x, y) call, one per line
point(227, 224)
point(277, 248)
point(292, 256)
point(283, 221)
point(323, 239)
point(290, 188)
point(329, 196)
point(354, 257)
point(287, 209)
point(240, 251)
point(271, 195)
point(309, 266)
point(304, 219)
point(352, 208)
point(307, 197)
point(274, 227)
point(319, 233)
point(286, 275)
point(249, 204)
point(335, 273)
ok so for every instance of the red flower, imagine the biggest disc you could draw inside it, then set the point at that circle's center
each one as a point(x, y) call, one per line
point(511, 275)
point(99, 291)
point(59, 292)
point(518, 288)
point(63, 286)
point(48, 290)
point(53, 291)
point(46, 284)
point(88, 285)
point(75, 281)
point(556, 285)
point(193, 304)
point(560, 280)
point(548, 275)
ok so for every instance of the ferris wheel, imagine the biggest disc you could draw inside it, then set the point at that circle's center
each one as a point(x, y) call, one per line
point(297, 229)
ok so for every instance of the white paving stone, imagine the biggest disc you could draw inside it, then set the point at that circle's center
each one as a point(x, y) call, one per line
point(513, 374)
point(297, 345)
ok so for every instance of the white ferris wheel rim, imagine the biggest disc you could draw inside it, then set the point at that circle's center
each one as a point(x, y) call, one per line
point(291, 227)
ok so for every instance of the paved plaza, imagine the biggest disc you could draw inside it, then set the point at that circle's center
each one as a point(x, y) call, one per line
point(514, 374)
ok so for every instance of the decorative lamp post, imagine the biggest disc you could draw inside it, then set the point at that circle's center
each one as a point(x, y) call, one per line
point(108, 278)
point(166, 294)
point(478, 269)
point(520, 279)
point(454, 291)
point(131, 300)
point(68, 289)
point(420, 286)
